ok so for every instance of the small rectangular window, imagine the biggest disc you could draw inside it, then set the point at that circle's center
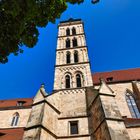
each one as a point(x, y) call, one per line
point(109, 79)
point(20, 103)
point(73, 127)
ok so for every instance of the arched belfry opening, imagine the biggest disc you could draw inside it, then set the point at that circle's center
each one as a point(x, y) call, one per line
point(67, 31)
point(74, 42)
point(78, 80)
point(68, 57)
point(67, 81)
point(76, 59)
point(67, 43)
point(73, 31)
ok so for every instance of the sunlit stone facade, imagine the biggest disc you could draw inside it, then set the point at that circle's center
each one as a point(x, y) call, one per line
point(80, 107)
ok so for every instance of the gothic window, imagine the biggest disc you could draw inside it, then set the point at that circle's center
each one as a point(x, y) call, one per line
point(73, 127)
point(76, 56)
point(15, 119)
point(74, 42)
point(68, 43)
point(68, 57)
point(132, 105)
point(67, 81)
point(67, 31)
point(78, 80)
point(73, 31)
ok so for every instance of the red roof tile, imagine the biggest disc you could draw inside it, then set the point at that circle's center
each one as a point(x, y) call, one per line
point(132, 122)
point(13, 103)
point(117, 76)
point(12, 134)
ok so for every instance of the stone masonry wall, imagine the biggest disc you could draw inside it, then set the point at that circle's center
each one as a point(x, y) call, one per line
point(60, 72)
point(7, 115)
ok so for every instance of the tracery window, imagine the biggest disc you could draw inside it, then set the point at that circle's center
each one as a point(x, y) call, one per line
point(73, 31)
point(67, 31)
point(78, 80)
point(15, 119)
point(67, 81)
point(132, 105)
point(76, 59)
point(68, 43)
point(68, 57)
point(74, 42)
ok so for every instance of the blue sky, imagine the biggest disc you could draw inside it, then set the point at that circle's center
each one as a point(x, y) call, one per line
point(112, 29)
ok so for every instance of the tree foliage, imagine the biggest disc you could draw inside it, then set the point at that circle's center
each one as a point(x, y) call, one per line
point(19, 20)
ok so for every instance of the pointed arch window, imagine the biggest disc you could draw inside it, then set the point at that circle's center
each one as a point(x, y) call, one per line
point(73, 31)
point(68, 43)
point(74, 42)
point(67, 81)
point(67, 31)
point(132, 105)
point(68, 57)
point(76, 59)
point(15, 119)
point(78, 80)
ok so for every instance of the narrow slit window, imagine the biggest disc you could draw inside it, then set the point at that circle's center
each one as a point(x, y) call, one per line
point(67, 31)
point(74, 41)
point(68, 57)
point(68, 43)
point(78, 80)
point(67, 80)
point(73, 31)
point(76, 57)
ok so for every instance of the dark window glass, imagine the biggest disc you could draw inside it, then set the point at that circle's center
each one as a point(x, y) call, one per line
point(74, 41)
point(109, 79)
point(78, 80)
point(68, 43)
point(75, 56)
point(68, 31)
point(68, 57)
point(67, 78)
point(74, 127)
point(132, 105)
point(73, 31)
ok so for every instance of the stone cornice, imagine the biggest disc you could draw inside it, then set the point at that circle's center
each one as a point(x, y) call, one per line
point(54, 135)
point(71, 35)
point(78, 47)
point(73, 117)
point(72, 64)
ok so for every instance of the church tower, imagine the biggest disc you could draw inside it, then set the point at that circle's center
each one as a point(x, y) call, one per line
point(72, 69)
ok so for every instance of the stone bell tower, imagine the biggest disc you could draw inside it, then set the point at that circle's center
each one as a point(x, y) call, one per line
point(72, 69)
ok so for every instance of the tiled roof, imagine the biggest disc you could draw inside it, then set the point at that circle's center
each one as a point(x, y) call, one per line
point(13, 103)
point(117, 76)
point(132, 122)
point(11, 134)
